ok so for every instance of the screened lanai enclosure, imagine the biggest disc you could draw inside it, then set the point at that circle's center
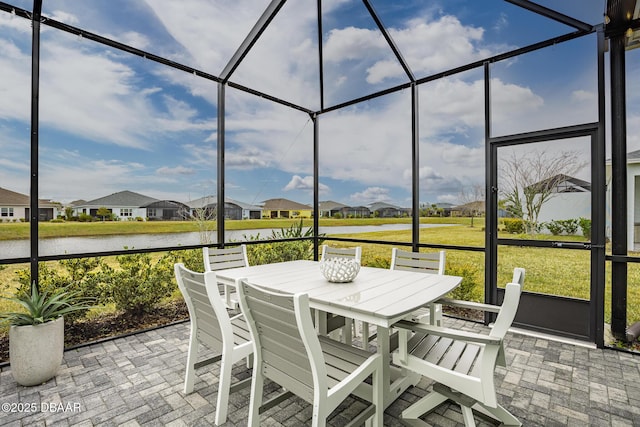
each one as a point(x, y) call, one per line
point(525, 110)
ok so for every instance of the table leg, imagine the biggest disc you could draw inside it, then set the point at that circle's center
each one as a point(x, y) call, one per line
point(395, 379)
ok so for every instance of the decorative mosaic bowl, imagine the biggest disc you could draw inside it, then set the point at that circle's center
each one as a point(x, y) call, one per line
point(340, 270)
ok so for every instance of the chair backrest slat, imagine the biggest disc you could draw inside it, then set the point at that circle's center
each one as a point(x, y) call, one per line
point(205, 319)
point(222, 259)
point(331, 252)
point(281, 349)
point(432, 262)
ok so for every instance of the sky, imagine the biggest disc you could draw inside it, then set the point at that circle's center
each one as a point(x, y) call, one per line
point(110, 121)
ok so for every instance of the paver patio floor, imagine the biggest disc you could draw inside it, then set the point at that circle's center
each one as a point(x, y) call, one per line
point(137, 381)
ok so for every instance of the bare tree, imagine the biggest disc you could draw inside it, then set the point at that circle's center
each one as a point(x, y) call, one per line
point(530, 179)
point(472, 201)
point(205, 217)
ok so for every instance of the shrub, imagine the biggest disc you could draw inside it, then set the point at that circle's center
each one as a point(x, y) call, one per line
point(282, 251)
point(377, 261)
point(191, 258)
point(513, 225)
point(585, 226)
point(80, 276)
point(554, 227)
point(470, 287)
point(569, 226)
point(83, 217)
point(138, 285)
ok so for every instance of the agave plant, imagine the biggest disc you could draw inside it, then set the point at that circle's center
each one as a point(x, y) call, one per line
point(42, 307)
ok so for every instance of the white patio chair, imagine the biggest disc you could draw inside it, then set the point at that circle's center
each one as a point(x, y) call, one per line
point(212, 326)
point(221, 259)
point(430, 263)
point(328, 322)
point(288, 351)
point(461, 363)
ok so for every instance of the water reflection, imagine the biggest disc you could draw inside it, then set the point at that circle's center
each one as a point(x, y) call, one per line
point(74, 245)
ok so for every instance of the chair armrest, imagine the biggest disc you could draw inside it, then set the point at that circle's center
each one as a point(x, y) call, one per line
point(447, 332)
point(469, 304)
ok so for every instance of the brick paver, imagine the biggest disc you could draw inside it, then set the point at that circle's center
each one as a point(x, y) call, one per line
point(137, 381)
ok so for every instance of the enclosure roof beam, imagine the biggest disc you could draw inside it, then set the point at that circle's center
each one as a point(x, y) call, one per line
point(552, 14)
point(263, 22)
point(389, 40)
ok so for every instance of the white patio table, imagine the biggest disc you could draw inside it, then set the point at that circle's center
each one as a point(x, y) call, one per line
point(378, 296)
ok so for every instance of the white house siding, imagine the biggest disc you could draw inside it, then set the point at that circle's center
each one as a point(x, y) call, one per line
point(566, 206)
point(18, 214)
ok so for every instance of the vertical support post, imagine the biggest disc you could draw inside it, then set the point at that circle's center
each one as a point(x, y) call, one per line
point(415, 166)
point(491, 203)
point(35, 103)
point(316, 185)
point(619, 209)
point(220, 157)
point(598, 211)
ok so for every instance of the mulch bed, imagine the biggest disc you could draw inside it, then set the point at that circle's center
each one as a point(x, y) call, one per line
point(112, 325)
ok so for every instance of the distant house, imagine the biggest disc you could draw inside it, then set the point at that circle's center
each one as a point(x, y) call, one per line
point(571, 198)
point(233, 209)
point(124, 205)
point(167, 210)
point(15, 207)
point(387, 210)
point(283, 208)
point(329, 208)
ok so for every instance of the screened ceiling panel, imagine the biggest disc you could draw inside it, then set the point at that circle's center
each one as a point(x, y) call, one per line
point(358, 60)
point(284, 61)
point(203, 35)
point(438, 36)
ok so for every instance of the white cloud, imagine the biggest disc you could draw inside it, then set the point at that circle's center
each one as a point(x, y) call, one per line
point(371, 195)
point(584, 96)
point(178, 170)
point(247, 159)
point(351, 43)
point(305, 184)
point(427, 45)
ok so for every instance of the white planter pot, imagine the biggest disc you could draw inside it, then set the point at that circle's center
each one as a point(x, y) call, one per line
point(35, 352)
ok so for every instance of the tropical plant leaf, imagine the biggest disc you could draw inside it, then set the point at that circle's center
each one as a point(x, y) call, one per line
point(42, 307)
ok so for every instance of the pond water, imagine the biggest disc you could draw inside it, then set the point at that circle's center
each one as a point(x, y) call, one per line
point(74, 245)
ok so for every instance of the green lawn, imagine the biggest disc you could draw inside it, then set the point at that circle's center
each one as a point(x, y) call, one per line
point(17, 230)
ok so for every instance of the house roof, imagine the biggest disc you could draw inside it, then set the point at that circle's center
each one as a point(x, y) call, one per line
point(330, 205)
point(564, 184)
point(213, 200)
point(633, 156)
point(202, 202)
point(122, 198)
point(283, 205)
point(12, 198)
point(382, 205)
